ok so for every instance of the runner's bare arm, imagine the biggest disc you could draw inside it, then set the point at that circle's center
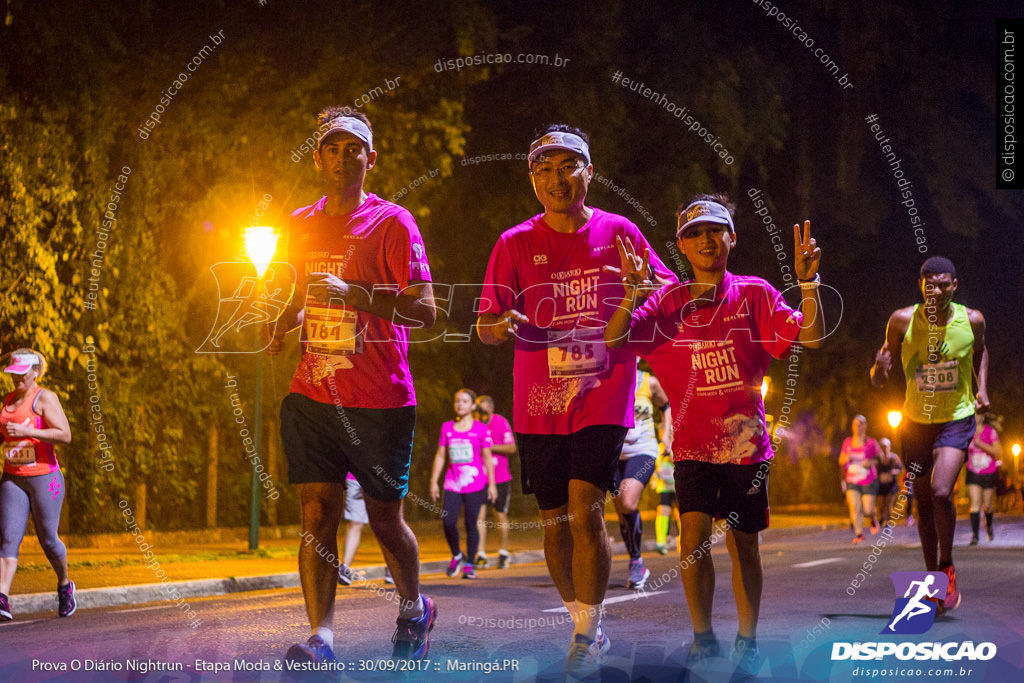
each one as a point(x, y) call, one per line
point(808, 257)
point(492, 490)
point(273, 333)
point(896, 329)
point(497, 329)
point(994, 449)
point(660, 398)
point(59, 431)
point(435, 490)
point(977, 320)
point(414, 304)
point(504, 449)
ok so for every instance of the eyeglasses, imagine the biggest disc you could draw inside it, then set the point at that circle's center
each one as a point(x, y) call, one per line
point(546, 172)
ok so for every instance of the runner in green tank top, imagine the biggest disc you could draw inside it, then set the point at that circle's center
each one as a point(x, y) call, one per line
point(941, 346)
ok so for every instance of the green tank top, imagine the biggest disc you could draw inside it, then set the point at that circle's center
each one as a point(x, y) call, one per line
point(938, 362)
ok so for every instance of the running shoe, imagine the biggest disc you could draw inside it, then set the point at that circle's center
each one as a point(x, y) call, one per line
point(859, 538)
point(315, 650)
point(988, 530)
point(661, 548)
point(953, 596)
point(940, 608)
point(345, 575)
point(468, 572)
point(456, 565)
point(411, 635)
point(638, 574)
point(481, 561)
point(5, 609)
point(388, 579)
point(66, 603)
point(874, 526)
point(701, 650)
point(586, 656)
point(974, 539)
point(746, 657)
point(504, 560)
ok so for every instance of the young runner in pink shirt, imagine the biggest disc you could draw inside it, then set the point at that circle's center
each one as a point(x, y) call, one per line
point(710, 340)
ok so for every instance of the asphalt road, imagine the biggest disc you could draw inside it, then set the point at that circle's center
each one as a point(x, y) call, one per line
point(504, 620)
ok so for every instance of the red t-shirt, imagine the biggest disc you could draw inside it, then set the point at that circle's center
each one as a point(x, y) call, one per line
point(565, 377)
point(710, 357)
point(861, 460)
point(466, 470)
point(978, 461)
point(349, 357)
point(501, 435)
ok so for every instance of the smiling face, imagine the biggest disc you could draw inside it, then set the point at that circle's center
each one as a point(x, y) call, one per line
point(560, 179)
point(463, 404)
point(707, 246)
point(343, 161)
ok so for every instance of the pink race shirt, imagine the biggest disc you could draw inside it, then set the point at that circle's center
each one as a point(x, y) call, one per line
point(501, 435)
point(565, 377)
point(711, 356)
point(466, 472)
point(349, 357)
point(978, 461)
point(860, 467)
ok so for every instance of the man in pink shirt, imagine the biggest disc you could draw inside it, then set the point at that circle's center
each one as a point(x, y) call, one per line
point(710, 340)
point(363, 278)
point(549, 286)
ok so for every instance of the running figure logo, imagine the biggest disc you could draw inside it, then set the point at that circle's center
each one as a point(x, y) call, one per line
point(251, 302)
point(914, 612)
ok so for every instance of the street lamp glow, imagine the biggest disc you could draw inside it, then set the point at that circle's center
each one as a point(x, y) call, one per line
point(764, 387)
point(260, 245)
point(1016, 449)
point(895, 417)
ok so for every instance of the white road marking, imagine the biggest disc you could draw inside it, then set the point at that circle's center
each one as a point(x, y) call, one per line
point(612, 601)
point(815, 563)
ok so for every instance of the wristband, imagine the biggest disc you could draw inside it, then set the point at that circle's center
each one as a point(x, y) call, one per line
point(810, 284)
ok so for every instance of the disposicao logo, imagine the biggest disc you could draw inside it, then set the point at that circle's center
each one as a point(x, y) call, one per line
point(914, 611)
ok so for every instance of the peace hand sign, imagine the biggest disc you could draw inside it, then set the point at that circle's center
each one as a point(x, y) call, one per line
point(808, 255)
point(634, 270)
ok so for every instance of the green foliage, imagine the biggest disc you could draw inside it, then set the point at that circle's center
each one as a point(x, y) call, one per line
point(77, 82)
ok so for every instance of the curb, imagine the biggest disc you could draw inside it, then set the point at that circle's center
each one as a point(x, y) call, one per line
point(171, 591)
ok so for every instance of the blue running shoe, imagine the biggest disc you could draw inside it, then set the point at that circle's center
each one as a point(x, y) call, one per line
point(315, 650)
point(411, 637)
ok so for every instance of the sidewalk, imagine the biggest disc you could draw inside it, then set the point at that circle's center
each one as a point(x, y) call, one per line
point(112, 571)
